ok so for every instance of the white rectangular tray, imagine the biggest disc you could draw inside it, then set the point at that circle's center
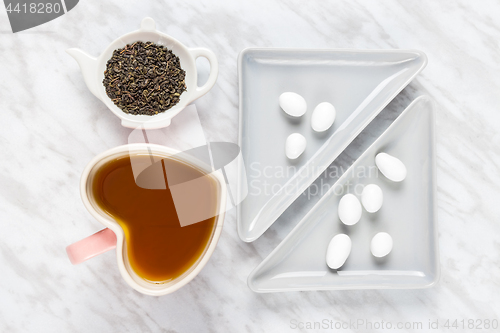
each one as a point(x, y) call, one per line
point(408, 214)
point(358, 83)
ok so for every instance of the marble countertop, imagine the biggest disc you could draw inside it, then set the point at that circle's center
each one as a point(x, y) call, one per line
point(52, 126)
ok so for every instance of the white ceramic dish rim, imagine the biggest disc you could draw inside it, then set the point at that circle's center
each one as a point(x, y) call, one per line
point(292, 198)
point(110, 223)
point(346, 174)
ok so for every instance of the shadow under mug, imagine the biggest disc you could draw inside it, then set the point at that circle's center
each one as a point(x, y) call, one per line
point(113, 236)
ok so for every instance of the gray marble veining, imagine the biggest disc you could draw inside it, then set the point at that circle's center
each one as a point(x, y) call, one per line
point(52, 126)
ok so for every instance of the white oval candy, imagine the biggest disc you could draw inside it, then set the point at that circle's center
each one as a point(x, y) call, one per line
point(338, 251)
point(323, 117)
point(391, 167)
point(372, 198)
point(293, 104)
point(295, 145)
point(349, 209)
point(381, 244)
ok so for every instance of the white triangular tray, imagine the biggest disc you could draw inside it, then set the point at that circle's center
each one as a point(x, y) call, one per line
point(358, 83)
point(408, 214)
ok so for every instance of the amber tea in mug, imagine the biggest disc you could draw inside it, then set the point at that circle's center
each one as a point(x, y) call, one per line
point(158, 248)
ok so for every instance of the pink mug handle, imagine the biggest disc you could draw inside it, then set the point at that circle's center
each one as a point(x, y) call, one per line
point(98, 243)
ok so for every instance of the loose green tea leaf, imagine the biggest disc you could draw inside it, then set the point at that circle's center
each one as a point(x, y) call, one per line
point(144, 78)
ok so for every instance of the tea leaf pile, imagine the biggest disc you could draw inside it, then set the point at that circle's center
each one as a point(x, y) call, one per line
point(144, 78)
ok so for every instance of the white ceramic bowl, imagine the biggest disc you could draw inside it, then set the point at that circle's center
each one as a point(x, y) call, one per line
point(93, 73)
point(126, 271)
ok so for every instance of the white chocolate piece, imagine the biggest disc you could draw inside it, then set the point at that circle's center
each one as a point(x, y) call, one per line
point(349, 209)
point(381, 244)
point(372, 198)
point(323, 117)
point(338, 250)
point(391, 167)
point(293, 104)
point(295, 145)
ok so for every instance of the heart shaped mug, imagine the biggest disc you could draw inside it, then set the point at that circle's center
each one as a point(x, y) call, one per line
point(113, 236)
